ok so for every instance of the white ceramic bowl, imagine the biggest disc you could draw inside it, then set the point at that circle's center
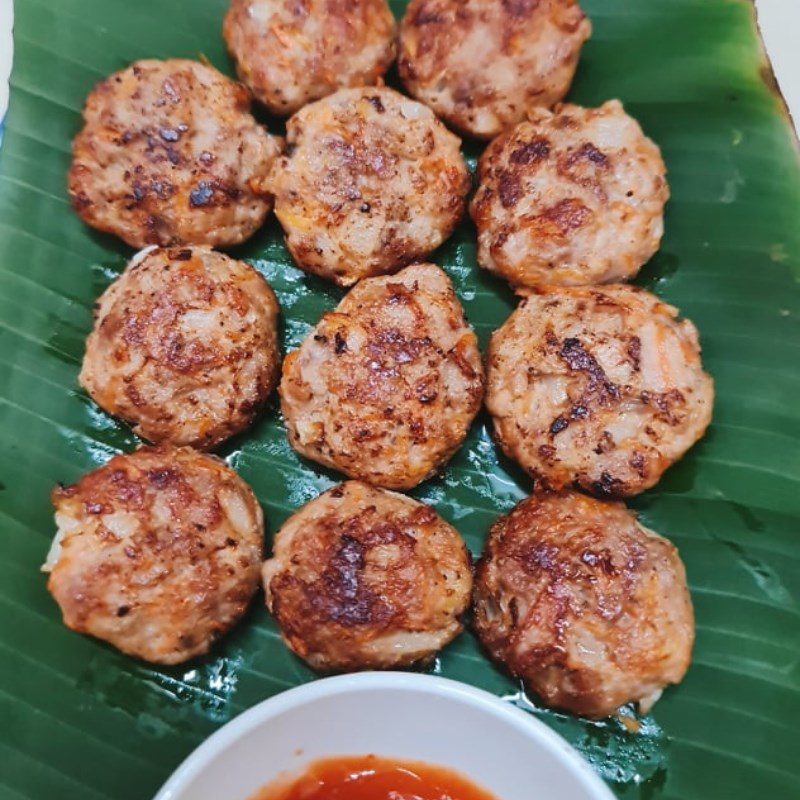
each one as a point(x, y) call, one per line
point(405, 715)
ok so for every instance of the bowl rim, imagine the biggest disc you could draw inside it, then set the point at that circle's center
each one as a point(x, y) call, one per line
point(534, 729)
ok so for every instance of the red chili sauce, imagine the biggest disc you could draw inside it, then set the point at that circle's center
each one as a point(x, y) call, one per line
point(373, 778)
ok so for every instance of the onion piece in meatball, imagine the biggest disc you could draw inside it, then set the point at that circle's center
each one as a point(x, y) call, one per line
point(597, 387)
point(290, 53)
point(569, 198)
point(385, 387)
point(482, 64)
point(362, 578)
point(582, 602)
point(171, 155)
point(184, 347)
point(157, 552)
point(370, 182)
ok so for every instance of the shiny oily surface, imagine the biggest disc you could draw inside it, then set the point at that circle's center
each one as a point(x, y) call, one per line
point(373, 778)
point(81, 722)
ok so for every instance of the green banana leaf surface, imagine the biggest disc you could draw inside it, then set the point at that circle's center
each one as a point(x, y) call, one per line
point(80, 721)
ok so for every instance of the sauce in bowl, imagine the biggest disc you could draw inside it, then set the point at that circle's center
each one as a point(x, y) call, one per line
point(373, 778)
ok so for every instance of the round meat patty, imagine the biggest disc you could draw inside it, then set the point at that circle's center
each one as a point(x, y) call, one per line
point(569, 198)
point(158, 552)
point(482, 64)
point(290, 52)
point(362, 578)
point(171, 155)
point(600, 387)
point(184, 347)
point(370, 182)
point(584, 604)
point(385, 387)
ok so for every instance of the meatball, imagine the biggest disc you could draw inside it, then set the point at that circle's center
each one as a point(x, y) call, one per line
point(582, 602)
point(157, 552)
point(362, 578)
point(170, 155)
point(184, 347)
point(370, 182)
point(601, 387)
point(290, 53)
point(385, 387)
point(482, 64)
point(569, 198)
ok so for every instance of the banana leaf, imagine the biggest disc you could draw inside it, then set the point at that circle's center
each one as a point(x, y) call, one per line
point(79, 720)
